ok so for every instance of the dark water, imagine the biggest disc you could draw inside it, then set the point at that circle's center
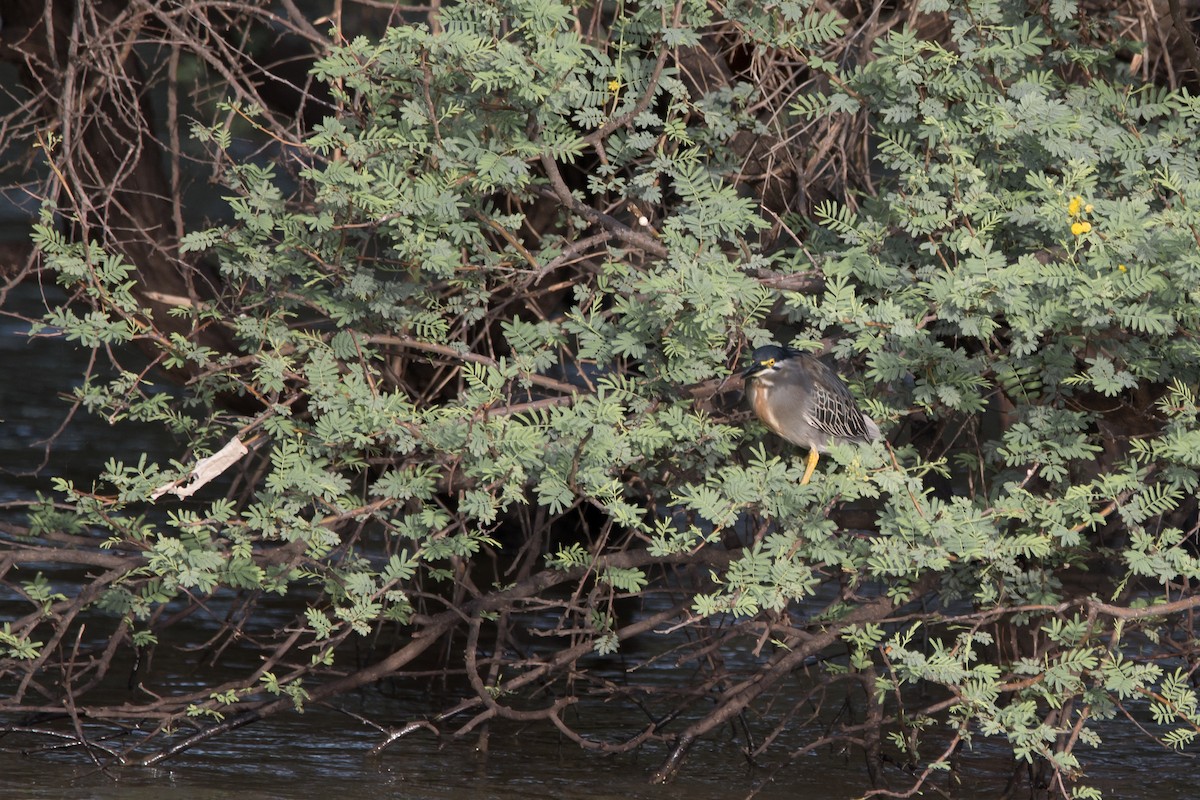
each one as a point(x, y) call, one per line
point(322, 753)
point(325, 753)
point(36, 374)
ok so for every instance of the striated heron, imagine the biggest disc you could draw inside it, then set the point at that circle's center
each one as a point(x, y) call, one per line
point(805, 402)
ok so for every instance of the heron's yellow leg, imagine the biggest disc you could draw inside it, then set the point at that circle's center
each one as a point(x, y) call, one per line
point(813, 455)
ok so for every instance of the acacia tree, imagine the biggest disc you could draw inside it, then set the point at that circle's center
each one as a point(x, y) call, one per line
point(462, 354)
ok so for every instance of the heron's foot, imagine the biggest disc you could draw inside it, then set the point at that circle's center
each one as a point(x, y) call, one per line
point(813, 457)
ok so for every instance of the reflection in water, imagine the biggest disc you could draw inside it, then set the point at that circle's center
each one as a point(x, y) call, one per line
point(323, 751)
point(290, 756)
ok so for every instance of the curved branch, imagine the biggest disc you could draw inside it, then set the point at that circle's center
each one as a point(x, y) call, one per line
point(735, 699)
point(560, 192)
point(1157, 610)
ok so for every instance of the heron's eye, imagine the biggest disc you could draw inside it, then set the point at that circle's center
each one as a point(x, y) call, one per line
point(770, 362)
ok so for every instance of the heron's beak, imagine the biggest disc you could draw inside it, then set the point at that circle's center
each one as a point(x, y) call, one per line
point(757, 368)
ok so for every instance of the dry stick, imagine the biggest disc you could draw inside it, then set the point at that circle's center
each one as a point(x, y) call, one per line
point(1123, 613)
point(494, 709)
point(218, 58)
point(103, 664)
point(560, 192)
point(572, 252)
point(451, 352)
point(917, 787)
point(1185, 35)
point(734, 700)
point(65, 613)
point(51, 555)
point(813, 699)
point(561, 659)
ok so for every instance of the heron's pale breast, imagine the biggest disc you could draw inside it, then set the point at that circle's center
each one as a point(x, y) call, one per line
point(758, 400)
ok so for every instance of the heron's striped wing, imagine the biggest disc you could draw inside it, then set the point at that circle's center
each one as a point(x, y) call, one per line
point(832, 409)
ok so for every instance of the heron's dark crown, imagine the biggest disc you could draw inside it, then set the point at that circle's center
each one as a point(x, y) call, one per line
point(766, 357)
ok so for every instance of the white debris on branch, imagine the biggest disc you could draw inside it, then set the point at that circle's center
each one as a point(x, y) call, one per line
point(205, 470)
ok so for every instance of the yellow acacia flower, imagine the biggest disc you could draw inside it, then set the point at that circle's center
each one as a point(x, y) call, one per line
point(1089, 208)
point(1073, 206)
point(614, 85)
point(1122, 268)
point(1080, 228)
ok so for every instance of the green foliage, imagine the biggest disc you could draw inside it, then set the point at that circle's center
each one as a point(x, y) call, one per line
point(18, 646)
point(1020, 294)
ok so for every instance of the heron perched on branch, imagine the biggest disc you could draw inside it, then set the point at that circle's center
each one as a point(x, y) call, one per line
point(805, 402)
